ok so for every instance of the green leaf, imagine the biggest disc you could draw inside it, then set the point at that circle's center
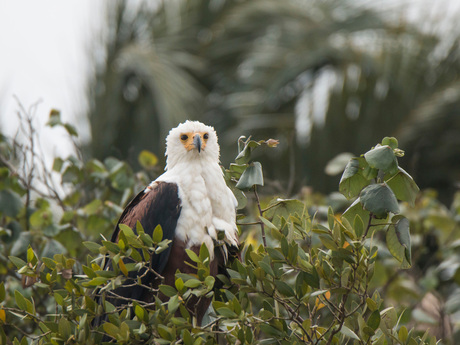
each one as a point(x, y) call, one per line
point(31, 257)
point(57, 164)
point(113, 247)
point(388, 318)
point(97, 281)
point(358, 226)
point(270, 330)
point(17, 261)
point(226, 312)
point(269, 224)
point(267, 268)
point(398, 240)
point(352, 180)
point(285, 208)
point(252, 176)
point(20, 300)
point(382, 157)
point(348, 332)
point(140, 312)
point(10, 203)
point(245, 154)
point(284, 288)
point(127, 231)
point(147, 159)
point(168, 290)
point(379, 199)
point(59, 299)
point(390, 141)
point(173, 304)
point(157, 235)
point(2, 292)
point(309, 274)
point(53, 247)
point(54, 118)
point(64, 328)
point(371, 304)
point(111, 329)
point(356, 208)
point(403, 333)
point(404, 186)
point(71, 129)
point(192, 255)
point(92, 246)
point(374, 320)
point(192, 283)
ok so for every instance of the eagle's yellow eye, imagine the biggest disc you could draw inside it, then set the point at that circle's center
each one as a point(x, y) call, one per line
point(184, 137)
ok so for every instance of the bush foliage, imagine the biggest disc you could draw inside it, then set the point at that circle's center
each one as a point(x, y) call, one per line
point(309, 272)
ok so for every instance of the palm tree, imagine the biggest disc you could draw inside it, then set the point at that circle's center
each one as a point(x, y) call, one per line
point(322, 76)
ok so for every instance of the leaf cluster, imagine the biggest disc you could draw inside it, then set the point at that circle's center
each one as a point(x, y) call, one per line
point(310, 281)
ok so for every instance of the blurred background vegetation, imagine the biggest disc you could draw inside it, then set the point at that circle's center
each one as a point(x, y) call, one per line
point(324, 77)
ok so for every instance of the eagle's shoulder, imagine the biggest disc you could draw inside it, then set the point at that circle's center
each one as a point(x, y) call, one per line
point(158, 203)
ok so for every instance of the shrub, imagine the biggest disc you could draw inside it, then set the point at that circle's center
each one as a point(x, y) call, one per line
point(309, 279)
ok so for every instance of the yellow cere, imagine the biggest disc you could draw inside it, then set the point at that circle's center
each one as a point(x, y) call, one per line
point(187, 139)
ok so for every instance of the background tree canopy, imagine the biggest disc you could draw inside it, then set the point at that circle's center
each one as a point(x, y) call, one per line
point(324, 77)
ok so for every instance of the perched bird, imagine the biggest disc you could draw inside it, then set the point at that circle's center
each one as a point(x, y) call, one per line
point(192, 203)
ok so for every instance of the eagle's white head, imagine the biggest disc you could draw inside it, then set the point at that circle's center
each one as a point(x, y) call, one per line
point(191, 141)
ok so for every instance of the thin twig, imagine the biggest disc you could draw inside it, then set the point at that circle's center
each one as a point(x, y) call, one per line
point(262, 226)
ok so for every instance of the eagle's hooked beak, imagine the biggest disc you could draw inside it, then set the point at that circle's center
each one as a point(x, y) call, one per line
point(197, 142)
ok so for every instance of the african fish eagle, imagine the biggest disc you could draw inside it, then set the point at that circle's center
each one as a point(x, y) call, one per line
point(192, 203)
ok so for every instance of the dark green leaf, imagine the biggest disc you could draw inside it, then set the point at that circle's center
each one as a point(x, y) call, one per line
point(352, 181)
point(252, 176)
point(245, 154)
point(284, 288)
point(284, 208)
point(20, 300)
point(382, 157)
point(10, 203)
point(404, 186)
point(270, 330)
point(374, 320)
point(310, 274)
point(358, 226)
point(398, 240)
point(379, 199)
point(356, 208)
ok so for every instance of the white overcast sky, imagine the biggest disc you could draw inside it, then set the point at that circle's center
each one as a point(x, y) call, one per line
point(45, 50)
point(45, 56)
